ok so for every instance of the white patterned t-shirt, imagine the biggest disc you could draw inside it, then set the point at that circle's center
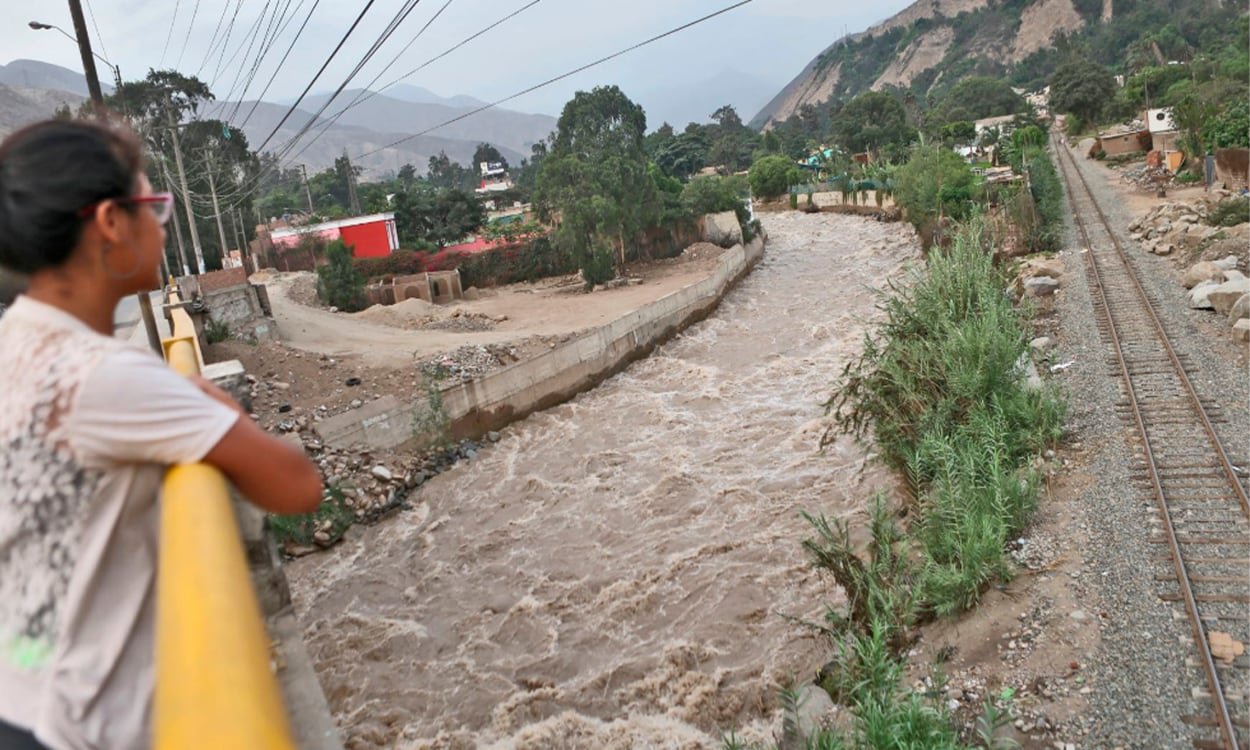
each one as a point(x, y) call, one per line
point(88, 425)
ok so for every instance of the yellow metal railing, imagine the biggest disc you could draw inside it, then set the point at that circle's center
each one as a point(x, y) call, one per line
point(214, 685)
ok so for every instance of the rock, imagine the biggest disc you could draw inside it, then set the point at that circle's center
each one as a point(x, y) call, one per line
point(1078, 615)
point(493, 436)
point(1027, 370)
point(722, 229)
point(1199, 296)
point(352, 381)
point(1040, 286)
point(1241, 330)
point(1224, 296)
point(283, 408)
point(1049, 267)
point(815, 707)
point(1202, 271)
point(1040, 344)
point(356, 403)
point(1239, 310)
point(381, 472)
point(1162, 248)
point(1226, 263)
point(1233, 274)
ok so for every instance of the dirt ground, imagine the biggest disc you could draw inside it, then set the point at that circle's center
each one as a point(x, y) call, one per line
point(527, 317)
point(395, 350)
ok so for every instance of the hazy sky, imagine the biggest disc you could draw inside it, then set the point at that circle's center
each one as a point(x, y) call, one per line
point(770, 39)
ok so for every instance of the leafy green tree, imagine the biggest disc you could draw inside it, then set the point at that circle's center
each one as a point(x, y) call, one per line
point(407, 173)
point(934, 184)
point(595, 184)
point(338, 282)
point(959, 132)
point(976, 98)
point(873, 121)
point(489, 154)
point(683, 155)
point(711, 195)
point(772, 176)
point(445, 173)
point(425, 216)
point(1231, 128)
point(1081, 88)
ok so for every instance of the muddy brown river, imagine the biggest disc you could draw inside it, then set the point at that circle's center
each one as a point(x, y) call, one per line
point(619, 571)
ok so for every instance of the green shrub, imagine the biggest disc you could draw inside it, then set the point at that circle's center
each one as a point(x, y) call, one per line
point(299, 530)
point(772, 176)
point(338, 282)
point(216, 331)
point(1229, 213)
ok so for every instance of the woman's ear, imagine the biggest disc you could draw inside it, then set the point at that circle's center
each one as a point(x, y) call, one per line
point(107, 220)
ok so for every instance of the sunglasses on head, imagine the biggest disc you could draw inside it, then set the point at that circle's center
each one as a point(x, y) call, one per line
point(162, 205)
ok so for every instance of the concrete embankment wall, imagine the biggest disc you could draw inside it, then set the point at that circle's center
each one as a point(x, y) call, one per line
point(498, 398)
point(501, 397)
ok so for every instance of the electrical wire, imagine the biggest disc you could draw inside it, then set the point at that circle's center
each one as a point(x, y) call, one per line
point(361, 94)
point(249, 39)
point(216, 32)
point(281, 62)
point(561, 77)
point(186, 42)
point(271, 37)
point(98, 36)
point(311, 83)
point(169, 34)
point(369, 92)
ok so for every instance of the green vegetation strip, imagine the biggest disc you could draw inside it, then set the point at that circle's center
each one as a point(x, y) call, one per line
point(941, 387)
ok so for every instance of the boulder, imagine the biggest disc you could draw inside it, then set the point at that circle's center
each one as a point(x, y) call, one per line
point(1241, 309)
point(1241, 330)
point(1233, 274)
point(1202, 271)
point(1040, 286)
point(1224, 296)
point(1040, 344)
point(1049, 267)
point(722, 229)
point(1162, 248)
point(1199, 296)
point(1227, 263)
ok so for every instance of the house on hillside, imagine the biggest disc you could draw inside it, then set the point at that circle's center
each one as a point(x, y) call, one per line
point(494, 178)
point(370, 236)
point(1001, 124)
point(1128, 139)
point(1163, 132)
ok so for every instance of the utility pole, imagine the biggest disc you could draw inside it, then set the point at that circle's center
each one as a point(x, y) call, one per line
point(221, 228)
point(93, 86)
point(352, 201)
point(307, 189)
point(186, 193)
point(84, 48)
point(168, 184)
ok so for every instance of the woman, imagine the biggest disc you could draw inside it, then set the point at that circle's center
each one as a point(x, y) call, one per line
point(88, 426)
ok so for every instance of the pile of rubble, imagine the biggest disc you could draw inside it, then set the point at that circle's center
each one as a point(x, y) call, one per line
point(1220, 287)
point(469, 362)
point(1180, 227)
point(459, 320)
point(1147, 177)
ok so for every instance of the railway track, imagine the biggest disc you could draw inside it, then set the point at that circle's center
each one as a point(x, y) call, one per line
point(1203, 519)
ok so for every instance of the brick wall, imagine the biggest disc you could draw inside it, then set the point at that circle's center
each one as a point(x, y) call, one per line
point(214, 280)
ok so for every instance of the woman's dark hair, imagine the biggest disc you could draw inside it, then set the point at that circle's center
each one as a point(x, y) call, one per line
point(49, 172)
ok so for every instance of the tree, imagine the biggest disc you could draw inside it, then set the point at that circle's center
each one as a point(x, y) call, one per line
point(711, 195)
point(1231, 128)
point(595, 183)
point(338, 282)
point(959, 132)
point(489, 154)
point(683, 155)
point(1081, 88)
point(934, 184)
point(976, 98)
point(445, 173)
point(872, 121)
point(425, 216)
point(772, 176)
point(407, 173)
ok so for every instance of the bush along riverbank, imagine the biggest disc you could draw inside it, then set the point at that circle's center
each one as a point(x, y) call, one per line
point(941, 389)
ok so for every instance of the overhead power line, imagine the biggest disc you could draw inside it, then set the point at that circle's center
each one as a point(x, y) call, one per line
point(281, 62)
point(558, 78)
point(169, 34)
point(194, 12)
point(282, 20)
point(313, 82)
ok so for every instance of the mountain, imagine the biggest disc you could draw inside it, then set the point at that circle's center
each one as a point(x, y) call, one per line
point(418, 95)
point(355, 139)
point(679, 104)
point(933, 44)
point(20, 105)
point(33, 74)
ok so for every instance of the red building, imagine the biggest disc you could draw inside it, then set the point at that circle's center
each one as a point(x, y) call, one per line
point(369, 236)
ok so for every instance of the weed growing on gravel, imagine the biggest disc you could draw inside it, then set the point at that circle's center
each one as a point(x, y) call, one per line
point(333, 516)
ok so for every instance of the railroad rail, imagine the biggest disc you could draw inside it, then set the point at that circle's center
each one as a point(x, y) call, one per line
point(1204, 517)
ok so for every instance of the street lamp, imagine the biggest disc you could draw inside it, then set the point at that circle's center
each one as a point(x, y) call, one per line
point(117, 73)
